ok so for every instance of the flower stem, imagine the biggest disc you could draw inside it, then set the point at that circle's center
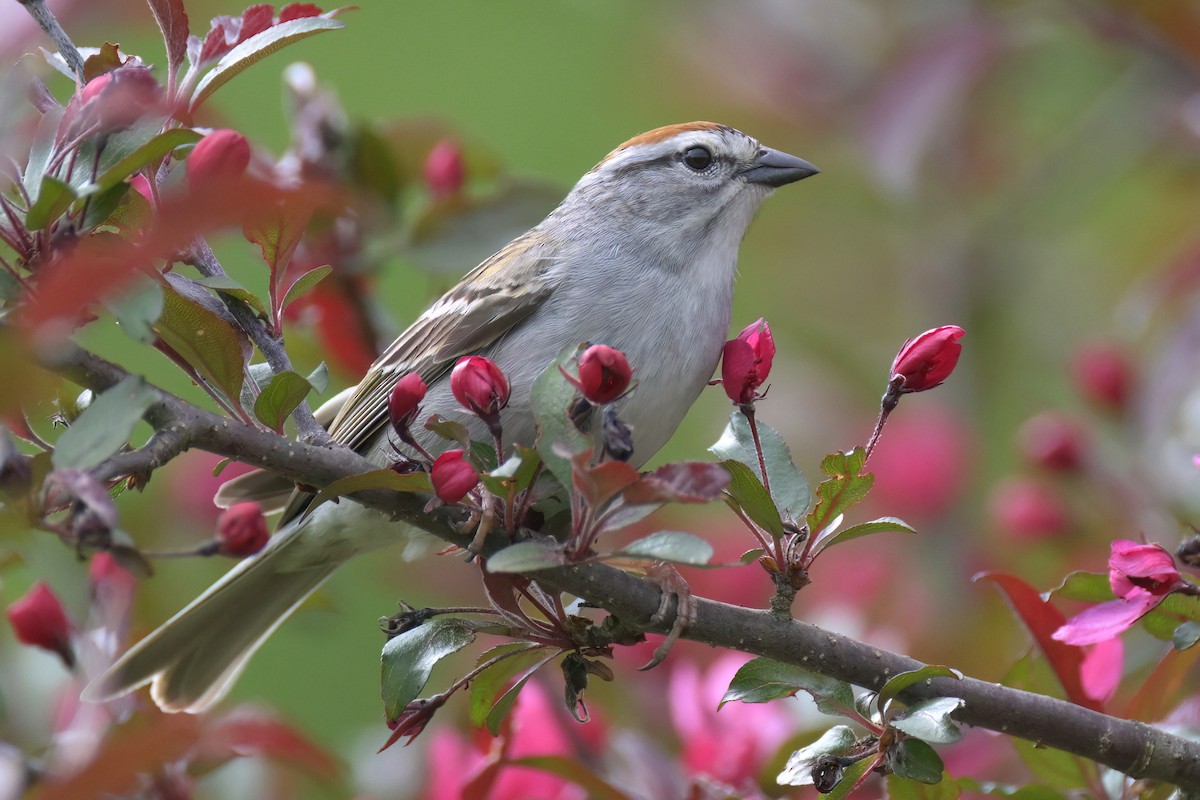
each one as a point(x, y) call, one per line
point(747, 410)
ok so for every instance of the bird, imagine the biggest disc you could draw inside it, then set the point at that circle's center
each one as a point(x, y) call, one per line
point(640, 255)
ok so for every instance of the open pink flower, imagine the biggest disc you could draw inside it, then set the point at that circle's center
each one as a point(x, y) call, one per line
point(1141, 575)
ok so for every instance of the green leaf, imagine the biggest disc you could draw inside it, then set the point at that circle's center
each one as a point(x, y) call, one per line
point(850, 778)
point(449, 430)
point(515, 474)
point(838, 740)
point(899, 788)
point(319, 378)
point(900, 682)
point(223, 284)
point(103, 205)
point(881, 525)
point(137, 309)
point(527, 556)
point(305, 283)
point(104, 426)
point(256, 48)
point(746, 490)
point(1053, 767)
point(488, 686)
point(674, 546)
point(408, 659)
point(1186, 635)
point(464, 230)
point(930, 720)
point(1185, 605)
point(550, 398)
point(142, 156)
point(1090, 587)
point(761, 680)
point(280, 398)
point(914, 759)
point(789, 489)
point(203, 339)
point(387, 479)
point(41, 150)
point(845, 485)
point(53, 199)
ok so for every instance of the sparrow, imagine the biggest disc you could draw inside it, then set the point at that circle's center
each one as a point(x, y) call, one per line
point(641, 255)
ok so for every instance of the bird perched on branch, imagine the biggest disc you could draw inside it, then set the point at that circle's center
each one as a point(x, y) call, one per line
point(640, 255)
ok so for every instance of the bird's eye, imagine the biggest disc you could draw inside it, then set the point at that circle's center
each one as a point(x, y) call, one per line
point(697, 158)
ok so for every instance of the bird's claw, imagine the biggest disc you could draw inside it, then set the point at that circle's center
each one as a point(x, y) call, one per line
point(673, 587)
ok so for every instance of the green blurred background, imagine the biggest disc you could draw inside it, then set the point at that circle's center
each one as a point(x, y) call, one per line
point(1027, 170)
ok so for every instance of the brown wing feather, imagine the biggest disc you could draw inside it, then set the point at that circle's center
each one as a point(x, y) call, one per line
point(487, 303)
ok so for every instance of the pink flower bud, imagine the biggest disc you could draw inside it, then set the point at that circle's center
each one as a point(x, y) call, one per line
point(117, 99)
point(927, 360)
point(221, 155)
point(480, 387)
point(444, 169)
point(1053, 441)
point(746, 362)
point(405, 401)
point(38, 620)
point(1141, 566)
point(242, 530)
point(604, 374)
point(107, 575)
point(452, 476)
point(1022, 508)
point(1103, 375)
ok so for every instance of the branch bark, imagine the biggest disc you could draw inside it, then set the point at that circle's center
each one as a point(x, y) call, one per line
point(1133, 748)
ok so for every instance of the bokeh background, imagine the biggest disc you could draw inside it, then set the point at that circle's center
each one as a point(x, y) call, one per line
point(1029, 171)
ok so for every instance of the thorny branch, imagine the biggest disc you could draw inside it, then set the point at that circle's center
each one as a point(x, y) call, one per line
point(1133, 748)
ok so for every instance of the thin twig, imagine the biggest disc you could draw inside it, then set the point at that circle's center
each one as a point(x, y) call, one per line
point(49, 23)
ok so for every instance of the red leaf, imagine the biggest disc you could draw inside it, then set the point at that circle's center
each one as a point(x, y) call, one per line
point(298, 10)
point(255, 20)
point(172, 20)
point(686, 482)
point(256, 733)
point(598, 484)
point(1042, 620)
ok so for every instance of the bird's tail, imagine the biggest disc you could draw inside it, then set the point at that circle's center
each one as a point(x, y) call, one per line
point(193, 659)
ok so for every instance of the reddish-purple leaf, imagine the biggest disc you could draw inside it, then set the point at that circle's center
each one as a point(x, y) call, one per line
point(1042, 620)
point(600, 483)
point(172, 20)
point(686, 482)
point(247, 732)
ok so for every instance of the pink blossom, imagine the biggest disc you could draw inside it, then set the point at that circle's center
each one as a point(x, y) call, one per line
point(1102, 667)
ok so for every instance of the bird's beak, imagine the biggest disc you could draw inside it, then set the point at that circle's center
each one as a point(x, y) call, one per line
point(775, 168)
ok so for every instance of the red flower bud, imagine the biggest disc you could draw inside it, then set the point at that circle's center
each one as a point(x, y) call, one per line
point(38, 619)
point(604, 374)
point(221, 155)
point(1103, 375)
point(480, 387)
point(117, 99)
point(444, 169)
point(242, 530)
point(405, 401)
point(453, 476)
point(746, 362)
point(927, 360)
point(1053, 441)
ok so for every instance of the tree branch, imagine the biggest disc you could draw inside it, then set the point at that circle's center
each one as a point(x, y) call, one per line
point(1133, 748)
point(49, 23)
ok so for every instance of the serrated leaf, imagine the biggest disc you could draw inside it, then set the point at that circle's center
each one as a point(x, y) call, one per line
point(53, 199)
point(551, 396)
point(930, 720)
point(838, 740)
point(256, 48)
point(681, 482)
point(899, 683)
point(279, 398)
point(138, 309)
point(104, 426)
point(408, 659)
point(141, 156)
point(524, 557)
point(305, 283)
point(203, 339)
point(915, 760)
point(387, 479)
point(789, 489)
point(227, 285)
point(761, 680)
point(746, 490)
point(881, 525)
point(1186, 635)
point(844, 486)
point(674, 546)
